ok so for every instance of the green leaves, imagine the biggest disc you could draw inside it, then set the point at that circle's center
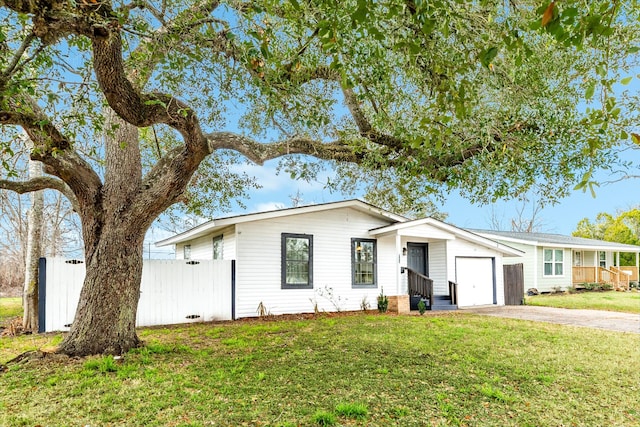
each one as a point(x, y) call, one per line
point(488, 55)
point(591, 87)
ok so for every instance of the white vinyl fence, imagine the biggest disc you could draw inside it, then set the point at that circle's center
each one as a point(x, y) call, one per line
point(172, 291)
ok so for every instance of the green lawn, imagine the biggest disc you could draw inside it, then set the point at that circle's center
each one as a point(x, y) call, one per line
point(454, 369)
point(10, 308)
point(627, 302)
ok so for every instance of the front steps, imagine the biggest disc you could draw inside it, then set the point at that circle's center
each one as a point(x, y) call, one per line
point(440, 302)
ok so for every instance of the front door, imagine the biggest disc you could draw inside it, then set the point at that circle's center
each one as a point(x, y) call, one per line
point(417, 255)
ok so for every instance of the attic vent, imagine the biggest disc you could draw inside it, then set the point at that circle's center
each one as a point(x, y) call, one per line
point(193, 316)
point(193, 262)
point(74, 261)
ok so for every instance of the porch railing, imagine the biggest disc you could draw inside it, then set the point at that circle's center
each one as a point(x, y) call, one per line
point(626, 275)
point(615, 276)
point(419, 284)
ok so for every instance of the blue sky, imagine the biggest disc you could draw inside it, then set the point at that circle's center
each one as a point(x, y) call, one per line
point(561, 218)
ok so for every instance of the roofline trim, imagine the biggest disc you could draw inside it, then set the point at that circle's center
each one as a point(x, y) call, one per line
point(205, 228)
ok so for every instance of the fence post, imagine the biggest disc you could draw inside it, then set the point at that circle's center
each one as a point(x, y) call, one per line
point(42, 294)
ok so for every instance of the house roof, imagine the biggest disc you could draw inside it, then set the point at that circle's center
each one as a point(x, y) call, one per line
point(448, 230)
point(213, 225)
point(556, 240)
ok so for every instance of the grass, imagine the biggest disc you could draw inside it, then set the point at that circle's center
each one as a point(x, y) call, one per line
point(626, 302)
point(10, 308)
point(454, 369)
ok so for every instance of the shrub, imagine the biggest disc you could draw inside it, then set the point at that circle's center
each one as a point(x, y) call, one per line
point(597, 286)
point(383, 302)
point(422, 307)
point(590, 286)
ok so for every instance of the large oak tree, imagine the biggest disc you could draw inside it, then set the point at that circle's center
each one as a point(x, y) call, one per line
point(130, 103)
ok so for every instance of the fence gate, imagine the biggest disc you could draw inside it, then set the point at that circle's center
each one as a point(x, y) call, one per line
point(513, 284)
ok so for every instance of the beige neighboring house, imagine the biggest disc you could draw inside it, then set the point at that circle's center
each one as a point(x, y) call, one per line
point(553, 261)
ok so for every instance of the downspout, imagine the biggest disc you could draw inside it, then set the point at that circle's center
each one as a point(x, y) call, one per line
point(399, 264)
point(535, 267)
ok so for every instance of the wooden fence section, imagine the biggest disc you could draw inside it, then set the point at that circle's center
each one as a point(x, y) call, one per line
point(513, 284)
point(171, 291)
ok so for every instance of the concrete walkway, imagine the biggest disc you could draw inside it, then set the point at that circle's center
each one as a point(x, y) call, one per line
point(608, 320)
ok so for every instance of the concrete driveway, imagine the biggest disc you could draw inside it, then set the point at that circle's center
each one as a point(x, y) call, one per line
point(608, 320)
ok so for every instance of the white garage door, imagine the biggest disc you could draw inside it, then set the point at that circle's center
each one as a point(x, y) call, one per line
point(475, 281)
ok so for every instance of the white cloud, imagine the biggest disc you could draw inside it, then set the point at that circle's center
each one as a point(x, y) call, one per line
point(269, 206)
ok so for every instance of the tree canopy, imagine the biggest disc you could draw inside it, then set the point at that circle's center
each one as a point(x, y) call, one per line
point(623, 227)
point(128, 103)
point(424, 97)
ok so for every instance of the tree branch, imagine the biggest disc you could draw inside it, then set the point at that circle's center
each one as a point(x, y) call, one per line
point(16, 58)
point(41, 183)
point(53, 149)
point(259, 152)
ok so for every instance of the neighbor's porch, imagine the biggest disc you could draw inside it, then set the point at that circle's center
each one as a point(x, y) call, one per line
point(618, 277)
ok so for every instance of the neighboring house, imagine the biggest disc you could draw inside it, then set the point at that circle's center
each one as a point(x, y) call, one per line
point(553, 261)
point(342, 255)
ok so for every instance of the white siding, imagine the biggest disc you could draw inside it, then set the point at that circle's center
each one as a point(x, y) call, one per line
point(258, 276)
point(388, 266)
point(202, 247)
point(589, 258)
point(463, 248)
point(438, 267)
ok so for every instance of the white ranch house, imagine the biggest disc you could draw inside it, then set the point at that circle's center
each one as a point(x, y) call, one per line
point(553, 261)
point(343, 254)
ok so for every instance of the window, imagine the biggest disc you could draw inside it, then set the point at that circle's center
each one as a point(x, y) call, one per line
point(217, 247)
point(363, 262)
point(553, 262)
point(187, 251)
point(602, 259)
point(297, 261)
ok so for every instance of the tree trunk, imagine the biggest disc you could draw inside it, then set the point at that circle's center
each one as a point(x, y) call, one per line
point(106, 315)
point(33, 251)
point(113, 234)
